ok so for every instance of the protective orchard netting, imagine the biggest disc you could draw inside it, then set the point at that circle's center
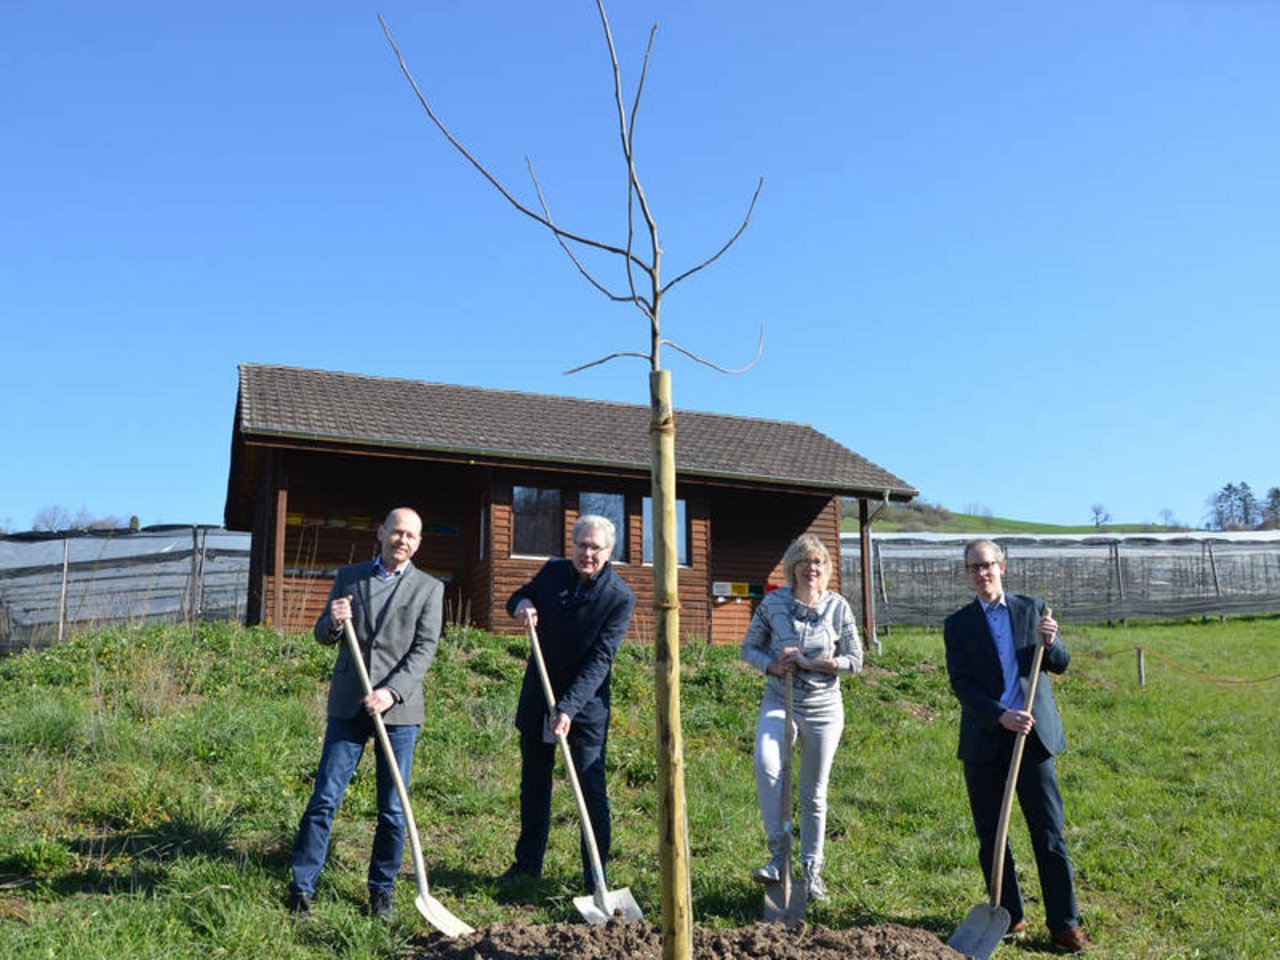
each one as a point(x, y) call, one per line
point(920, 578)
point(51, 584)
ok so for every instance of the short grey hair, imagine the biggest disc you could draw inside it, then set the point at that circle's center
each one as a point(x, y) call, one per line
point(594, 521)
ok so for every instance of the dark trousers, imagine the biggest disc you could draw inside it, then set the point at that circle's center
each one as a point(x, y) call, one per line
point(1041, 804)
point(537, 764)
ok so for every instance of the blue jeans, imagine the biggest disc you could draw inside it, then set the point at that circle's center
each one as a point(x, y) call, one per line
point(344, 742)
point(537, 762)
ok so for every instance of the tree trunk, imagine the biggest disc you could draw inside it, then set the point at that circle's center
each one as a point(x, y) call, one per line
point(673, 822)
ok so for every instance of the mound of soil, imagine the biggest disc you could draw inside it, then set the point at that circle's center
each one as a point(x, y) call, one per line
point(638, 940)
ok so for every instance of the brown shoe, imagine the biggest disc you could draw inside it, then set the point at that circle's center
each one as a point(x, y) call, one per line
point(1070, 940)
point(1017, 931)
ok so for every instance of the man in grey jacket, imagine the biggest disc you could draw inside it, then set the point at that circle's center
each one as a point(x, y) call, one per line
point(395, 610)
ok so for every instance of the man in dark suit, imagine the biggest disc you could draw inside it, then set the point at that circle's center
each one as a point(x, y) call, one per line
point(990, 645)
point(581, 609)
point(396, 612)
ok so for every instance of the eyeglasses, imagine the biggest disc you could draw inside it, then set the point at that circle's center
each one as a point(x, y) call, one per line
point(593, 548)
point(980, 567)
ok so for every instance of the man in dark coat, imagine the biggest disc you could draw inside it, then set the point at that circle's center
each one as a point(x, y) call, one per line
point(396, 612)
point(581, 609)
point(990, 646)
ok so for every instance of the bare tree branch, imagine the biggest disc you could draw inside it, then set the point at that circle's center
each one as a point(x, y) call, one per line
point(706, 263)
point(497, 185)
point(546, 211)
point(634, 187)
point(644, 72)
point(612, 356)
point(714, 366)
point(632, 184)
point(650, 306)
point(688, 353)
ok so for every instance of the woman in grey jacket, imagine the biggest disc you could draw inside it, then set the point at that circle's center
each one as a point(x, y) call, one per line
point(807, 631)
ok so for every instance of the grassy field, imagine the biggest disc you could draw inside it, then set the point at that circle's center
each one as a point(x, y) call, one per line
point(153, 780)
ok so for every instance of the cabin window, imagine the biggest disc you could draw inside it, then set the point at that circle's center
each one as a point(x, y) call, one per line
point(537, 522)
point(682, 532)
point(613, 506)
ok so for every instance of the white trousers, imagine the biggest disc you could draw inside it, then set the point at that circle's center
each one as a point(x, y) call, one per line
point(818, 728)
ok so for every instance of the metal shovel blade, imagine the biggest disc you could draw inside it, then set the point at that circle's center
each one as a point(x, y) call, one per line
point(981, 932)
point(599, 910)
point(785, 903)
point(438, 915)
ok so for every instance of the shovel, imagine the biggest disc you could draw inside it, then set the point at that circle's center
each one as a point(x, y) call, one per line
point(985, 925)
point(599, 907)
point(784, 901)
point(432, 910)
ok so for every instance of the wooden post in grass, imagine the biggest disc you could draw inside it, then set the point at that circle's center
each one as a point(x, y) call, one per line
point(62, 591)
point(1142, 669)
point(673, 819)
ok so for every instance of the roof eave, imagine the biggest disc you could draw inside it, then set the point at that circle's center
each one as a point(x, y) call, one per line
point(898, 494)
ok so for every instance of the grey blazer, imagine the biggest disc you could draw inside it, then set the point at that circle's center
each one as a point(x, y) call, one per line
point(397, 649)
point(974, 669)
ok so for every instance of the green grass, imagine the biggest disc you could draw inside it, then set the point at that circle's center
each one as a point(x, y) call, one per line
point(153, 780)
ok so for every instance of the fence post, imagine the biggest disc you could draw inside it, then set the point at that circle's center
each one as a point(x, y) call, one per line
point(62, 592)
point(884, 594)
point(1142, 669)
point(1217, 587)
point(204, 546)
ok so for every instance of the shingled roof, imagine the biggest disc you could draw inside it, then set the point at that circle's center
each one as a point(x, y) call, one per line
point(294, 404)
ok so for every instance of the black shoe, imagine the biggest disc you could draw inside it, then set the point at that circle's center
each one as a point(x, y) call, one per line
point(299, 904)
point(515, 873)
point(380, 905)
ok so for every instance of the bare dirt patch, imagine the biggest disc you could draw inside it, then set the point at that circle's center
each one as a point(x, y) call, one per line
point(638, 940)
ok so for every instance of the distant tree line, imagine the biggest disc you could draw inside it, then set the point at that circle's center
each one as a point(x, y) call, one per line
point(57, 519)
point(1236, 507)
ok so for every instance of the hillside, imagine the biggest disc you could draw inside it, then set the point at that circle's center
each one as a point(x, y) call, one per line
point(921, 516)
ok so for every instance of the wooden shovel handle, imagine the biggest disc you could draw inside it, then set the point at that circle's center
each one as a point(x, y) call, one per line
point(1011, 783)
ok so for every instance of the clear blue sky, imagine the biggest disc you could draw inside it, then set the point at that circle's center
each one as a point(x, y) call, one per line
point(1025, 254)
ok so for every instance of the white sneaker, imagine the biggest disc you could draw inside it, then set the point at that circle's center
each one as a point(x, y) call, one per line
point(771, 872)
point(813, 885)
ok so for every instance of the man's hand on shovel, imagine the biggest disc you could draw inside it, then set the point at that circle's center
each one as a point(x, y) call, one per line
point(1021, 721)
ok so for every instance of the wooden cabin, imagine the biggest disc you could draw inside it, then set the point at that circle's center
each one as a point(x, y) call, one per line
point(499, 477)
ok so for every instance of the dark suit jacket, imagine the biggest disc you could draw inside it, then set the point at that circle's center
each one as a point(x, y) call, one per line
point(974, 669)
point(397, 649)
point(579, 639)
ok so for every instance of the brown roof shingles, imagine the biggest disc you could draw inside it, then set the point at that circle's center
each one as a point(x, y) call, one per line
point(289, 402)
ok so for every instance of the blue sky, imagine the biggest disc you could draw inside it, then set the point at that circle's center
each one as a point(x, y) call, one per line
point(1023, 254)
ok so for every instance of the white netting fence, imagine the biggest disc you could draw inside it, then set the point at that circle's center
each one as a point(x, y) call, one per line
point(53, 583)
point(920, 579)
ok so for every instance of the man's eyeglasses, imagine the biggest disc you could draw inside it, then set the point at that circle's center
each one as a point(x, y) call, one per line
point(593, 548)
point(982, 567)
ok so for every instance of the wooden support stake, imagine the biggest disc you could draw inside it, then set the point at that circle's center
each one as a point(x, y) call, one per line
point(1142, 669)
point(62, 593)
point(673, 818)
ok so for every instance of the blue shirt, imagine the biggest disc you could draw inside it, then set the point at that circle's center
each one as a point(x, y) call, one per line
point(997, 613)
